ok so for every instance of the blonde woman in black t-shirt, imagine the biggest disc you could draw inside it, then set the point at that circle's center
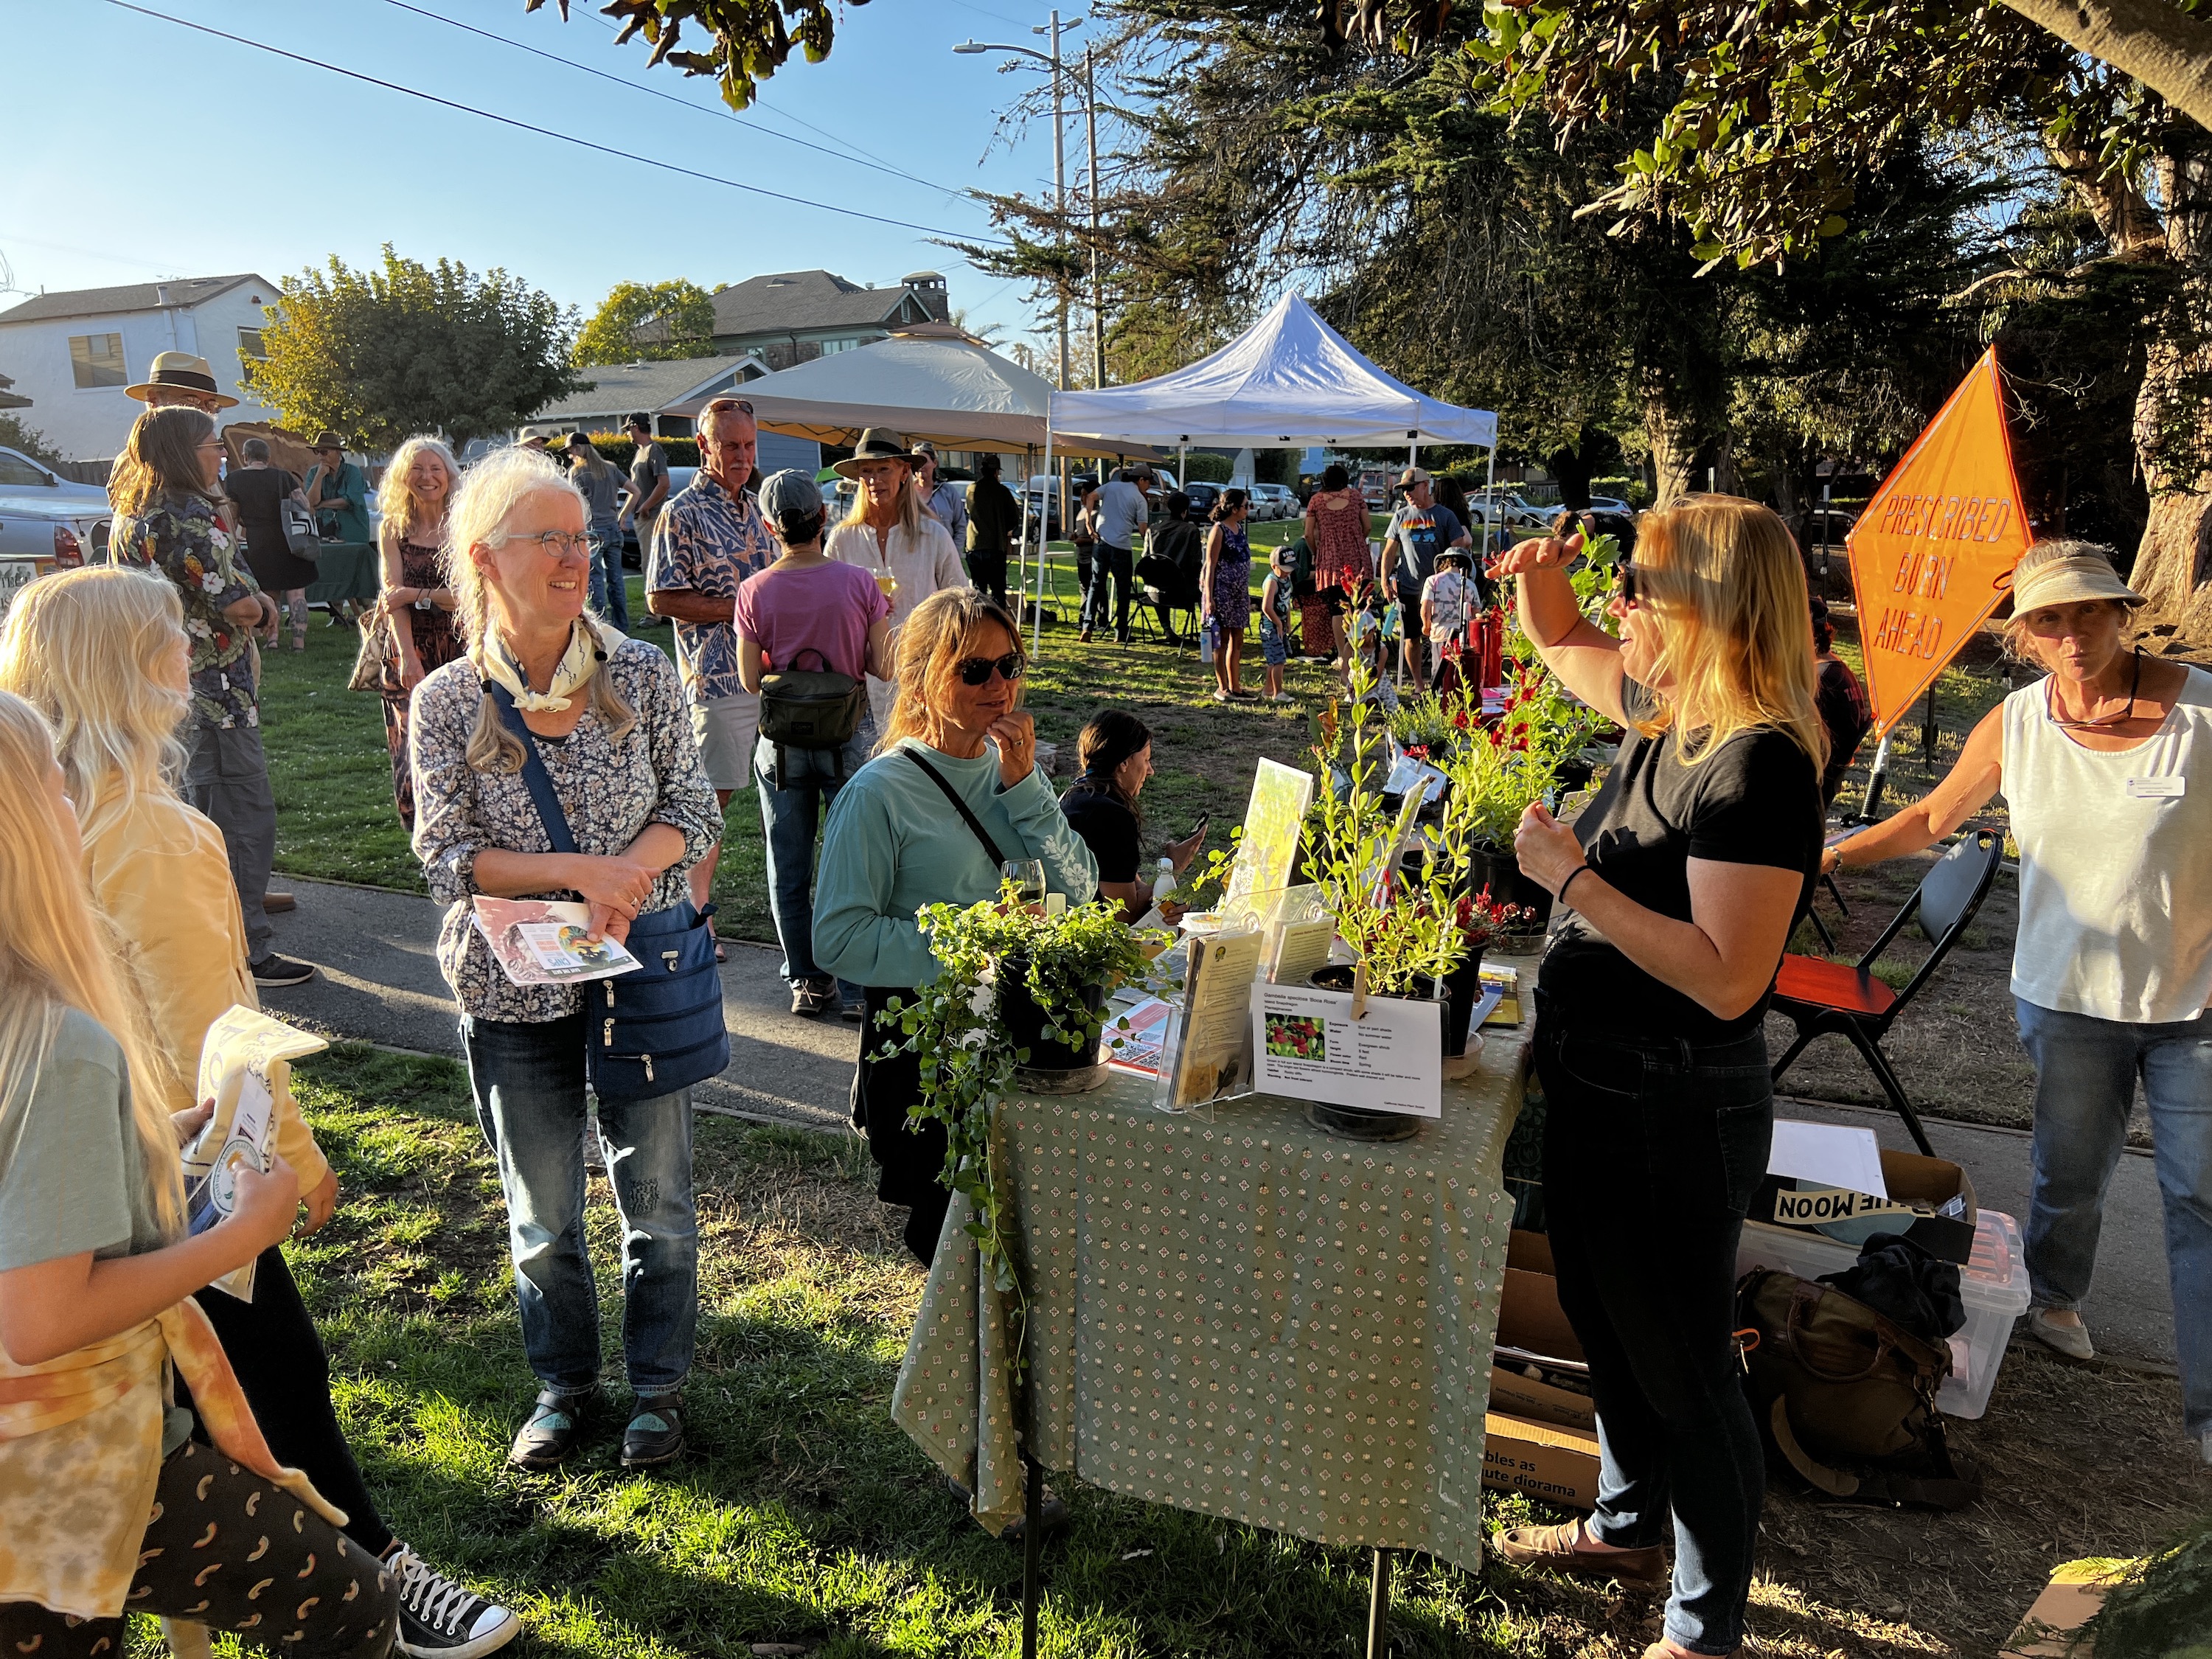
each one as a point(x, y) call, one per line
point(1684, 879)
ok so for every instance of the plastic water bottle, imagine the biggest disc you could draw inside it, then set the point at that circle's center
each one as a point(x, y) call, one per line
point(1164, 882)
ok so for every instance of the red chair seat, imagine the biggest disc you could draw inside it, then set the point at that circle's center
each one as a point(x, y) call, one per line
point(1835, 985)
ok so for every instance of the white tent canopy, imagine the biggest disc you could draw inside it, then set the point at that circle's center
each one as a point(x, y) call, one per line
point(1290, 379)
point(948, 390)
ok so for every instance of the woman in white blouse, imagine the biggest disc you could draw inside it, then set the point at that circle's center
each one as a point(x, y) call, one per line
point(2107, 764)
point(890, 534)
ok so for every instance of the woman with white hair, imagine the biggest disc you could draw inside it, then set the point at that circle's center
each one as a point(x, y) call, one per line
point(890, 535)
point(548, 702)
point(414, 606)
point(2106, 765)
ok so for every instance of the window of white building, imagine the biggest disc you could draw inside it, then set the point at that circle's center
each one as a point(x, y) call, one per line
point(97, 359)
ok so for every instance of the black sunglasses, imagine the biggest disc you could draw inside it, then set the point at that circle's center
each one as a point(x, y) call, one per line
point(977, 670)
point(724, 406)
point(1624, 587)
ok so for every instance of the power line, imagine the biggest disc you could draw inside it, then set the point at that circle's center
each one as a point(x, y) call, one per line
point(545, 132)
point(668, 97)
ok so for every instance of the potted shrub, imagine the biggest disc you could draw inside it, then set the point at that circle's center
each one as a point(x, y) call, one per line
point(1000, 964)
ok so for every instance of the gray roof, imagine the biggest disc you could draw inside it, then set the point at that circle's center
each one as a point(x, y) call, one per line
point(132, 296)
point(791, 299)
point(620, 388)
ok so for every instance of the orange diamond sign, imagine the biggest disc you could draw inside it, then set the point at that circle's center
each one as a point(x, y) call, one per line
point(1933, 553)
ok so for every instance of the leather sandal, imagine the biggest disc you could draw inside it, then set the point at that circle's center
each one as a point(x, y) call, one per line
point(655, 1434)
point(1563, 1548)
point(549, 1435)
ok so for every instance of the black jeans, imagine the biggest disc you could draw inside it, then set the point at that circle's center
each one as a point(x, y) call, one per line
point(286, 1377)
point(911, 1157)
point(1117, 563)
point(989, 572)
point(1652, 1150)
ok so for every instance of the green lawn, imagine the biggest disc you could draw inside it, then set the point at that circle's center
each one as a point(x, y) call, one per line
point(805, 1515)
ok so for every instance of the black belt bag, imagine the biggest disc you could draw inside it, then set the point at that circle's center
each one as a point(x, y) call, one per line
point(657, 1030)
point(814, 709)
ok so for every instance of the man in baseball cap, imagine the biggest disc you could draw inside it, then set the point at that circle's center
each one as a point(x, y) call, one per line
point(178, 377)
point(1419, 531)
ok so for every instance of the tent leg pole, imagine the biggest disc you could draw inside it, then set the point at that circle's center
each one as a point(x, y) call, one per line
point(1044, 540)
point(1022, 559)
point(1490, 502)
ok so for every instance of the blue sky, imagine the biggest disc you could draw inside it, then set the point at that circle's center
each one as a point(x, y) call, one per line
point(141, 150)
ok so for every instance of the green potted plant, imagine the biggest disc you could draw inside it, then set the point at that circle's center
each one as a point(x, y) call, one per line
point(1003, 966)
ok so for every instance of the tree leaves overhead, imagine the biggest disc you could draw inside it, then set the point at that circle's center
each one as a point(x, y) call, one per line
point(382, 353)
point(740, 43)
point(638, 322)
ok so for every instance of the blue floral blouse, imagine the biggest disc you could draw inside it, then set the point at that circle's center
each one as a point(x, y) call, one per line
point(609, 791)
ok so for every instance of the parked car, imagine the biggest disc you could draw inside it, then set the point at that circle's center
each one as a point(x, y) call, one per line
point(1271, 501)
point(1202, 498)
point(46, 523)
point(1612, 504)
point(1045, 496)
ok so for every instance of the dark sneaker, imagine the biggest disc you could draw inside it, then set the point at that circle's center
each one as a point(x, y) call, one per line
point(438, 1617)
point(855, 1013)
point(549, 1435)
point(656, 1435)
point(273, 970)
point(811, 1000)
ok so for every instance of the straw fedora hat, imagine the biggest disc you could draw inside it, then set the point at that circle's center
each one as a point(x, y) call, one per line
point(186, 373)
point(2067, 573)
point(327, 439)
point(877, 444)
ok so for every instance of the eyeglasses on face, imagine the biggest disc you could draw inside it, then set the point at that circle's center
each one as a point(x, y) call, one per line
point(977, 670)
point(559, 544)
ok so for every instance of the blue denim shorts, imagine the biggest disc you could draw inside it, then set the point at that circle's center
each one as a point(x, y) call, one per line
point(1275, 649)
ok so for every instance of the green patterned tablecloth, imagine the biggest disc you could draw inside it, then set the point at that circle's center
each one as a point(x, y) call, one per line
point(1247, 1318)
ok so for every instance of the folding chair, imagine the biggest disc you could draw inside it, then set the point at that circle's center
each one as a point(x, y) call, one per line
point(1822, 997)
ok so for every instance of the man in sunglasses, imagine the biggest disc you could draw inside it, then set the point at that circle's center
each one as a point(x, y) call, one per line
point(708, 541)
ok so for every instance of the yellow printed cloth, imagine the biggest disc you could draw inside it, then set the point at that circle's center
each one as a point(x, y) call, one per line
point(81, 1455)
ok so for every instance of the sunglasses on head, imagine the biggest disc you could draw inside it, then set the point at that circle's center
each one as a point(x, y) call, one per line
point(977, 670)
point(724, 406)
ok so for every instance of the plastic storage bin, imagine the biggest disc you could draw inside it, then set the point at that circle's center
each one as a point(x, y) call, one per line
point(1993, 1285)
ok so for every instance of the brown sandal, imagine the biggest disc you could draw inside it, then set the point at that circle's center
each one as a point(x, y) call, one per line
point(1562, 1549)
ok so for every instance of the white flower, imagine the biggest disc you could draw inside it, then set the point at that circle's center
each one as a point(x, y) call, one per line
point(211, 580)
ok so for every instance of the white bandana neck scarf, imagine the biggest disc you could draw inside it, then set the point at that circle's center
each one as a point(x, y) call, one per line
point(590, 644)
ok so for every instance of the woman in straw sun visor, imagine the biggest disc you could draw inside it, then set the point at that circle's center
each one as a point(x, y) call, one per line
point(598, 796)
point(1683, 877)
point(2107, 764)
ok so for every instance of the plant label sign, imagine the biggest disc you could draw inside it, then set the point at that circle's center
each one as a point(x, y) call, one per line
point(1305, 1044)
point(1932, 555)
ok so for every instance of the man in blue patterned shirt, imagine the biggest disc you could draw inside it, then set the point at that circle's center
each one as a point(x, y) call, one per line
point(710, 538)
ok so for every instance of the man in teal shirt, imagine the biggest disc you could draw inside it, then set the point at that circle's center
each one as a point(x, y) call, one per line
point(338, 492)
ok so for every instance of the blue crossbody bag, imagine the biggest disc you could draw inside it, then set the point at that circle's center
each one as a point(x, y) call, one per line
point(660, 1029)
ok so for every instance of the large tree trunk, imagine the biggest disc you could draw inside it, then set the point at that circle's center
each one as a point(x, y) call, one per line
point(1572, 468)
point(1671, 432)
point(2173, 411)
point(2155, 41)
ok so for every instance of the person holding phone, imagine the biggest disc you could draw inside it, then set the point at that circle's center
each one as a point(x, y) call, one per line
point(1115, 751)
point(1684, 878)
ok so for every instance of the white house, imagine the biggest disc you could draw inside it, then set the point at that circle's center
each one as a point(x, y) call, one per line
point(73, 353)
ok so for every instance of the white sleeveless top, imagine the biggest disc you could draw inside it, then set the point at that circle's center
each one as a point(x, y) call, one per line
point(2115, 863)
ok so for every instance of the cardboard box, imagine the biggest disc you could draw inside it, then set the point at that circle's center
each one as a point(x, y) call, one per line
point(2075, 1591)
point(1529, 1318)
point(1928, 1182)
point(1559, 1464)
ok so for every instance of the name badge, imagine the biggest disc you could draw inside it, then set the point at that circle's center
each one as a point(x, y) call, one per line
point(2157, 788)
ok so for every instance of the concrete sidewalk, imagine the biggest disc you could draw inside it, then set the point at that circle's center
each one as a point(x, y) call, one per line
point(380, 982)
point(377, 951)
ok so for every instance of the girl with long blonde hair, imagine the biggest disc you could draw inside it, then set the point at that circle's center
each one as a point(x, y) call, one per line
point(102, 654)
point(105, 1497)
point(415, 605)
point(1684, 878)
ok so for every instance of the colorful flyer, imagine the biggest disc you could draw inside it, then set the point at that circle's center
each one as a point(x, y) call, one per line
point(1207, 1054)
point(545, 942)
point(1272, 820)
point(1305, 1044)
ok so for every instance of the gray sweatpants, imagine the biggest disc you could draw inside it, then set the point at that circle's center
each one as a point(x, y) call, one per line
point(227, 777)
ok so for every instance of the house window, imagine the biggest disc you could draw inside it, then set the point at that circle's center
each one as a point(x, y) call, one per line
point(249, 344)
point(97, 359)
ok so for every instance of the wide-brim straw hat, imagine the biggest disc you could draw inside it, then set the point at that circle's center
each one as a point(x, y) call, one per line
point(877, 444)
point(327, 439)
point(182, 371)
point(2068, 573)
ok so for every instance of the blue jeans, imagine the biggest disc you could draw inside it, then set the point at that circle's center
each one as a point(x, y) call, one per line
point(609, 593)
point(528, 1081)
point(791, 817)
point(1652, 1150)
point(2085, 1082)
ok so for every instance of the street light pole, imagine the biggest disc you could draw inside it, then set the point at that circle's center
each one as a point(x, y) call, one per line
point(1097, 288)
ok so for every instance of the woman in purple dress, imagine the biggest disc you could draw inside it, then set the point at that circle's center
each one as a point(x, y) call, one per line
point(1225, 591)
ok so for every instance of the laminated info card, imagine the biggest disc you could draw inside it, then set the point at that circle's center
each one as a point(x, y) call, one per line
point(245, 1070)
point(1307, 1046)
point(1207, 1054)
point(1273, 819)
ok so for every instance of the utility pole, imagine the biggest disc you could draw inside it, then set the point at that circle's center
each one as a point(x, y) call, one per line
point(1059, 191)
point(1098, 287)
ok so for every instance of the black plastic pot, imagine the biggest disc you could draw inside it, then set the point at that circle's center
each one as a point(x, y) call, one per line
point(1464, 989)
point(1499, 871)
point(1353, 1122)
point(1027, 1024)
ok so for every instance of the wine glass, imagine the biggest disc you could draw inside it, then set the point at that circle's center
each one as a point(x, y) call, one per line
point(1028, 877)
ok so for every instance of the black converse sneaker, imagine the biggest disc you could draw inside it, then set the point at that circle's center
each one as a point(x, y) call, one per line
point(440, 1619)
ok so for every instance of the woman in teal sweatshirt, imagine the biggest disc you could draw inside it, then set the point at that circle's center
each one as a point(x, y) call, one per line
point(898, 838)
